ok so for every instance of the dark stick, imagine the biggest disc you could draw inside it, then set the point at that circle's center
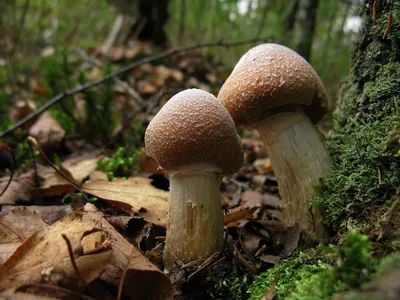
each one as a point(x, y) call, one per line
point(12, 171)
point(121, 71)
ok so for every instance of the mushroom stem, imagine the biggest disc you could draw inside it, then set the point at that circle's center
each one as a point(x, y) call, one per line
point(300, 159)
point(195, 223)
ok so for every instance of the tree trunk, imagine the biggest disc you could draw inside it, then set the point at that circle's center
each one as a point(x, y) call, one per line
point(363, 191)
point(289, 20)
point(150, 17)
point(307, 19)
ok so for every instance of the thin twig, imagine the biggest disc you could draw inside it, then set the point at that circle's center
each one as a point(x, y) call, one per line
point(12, 171)
point(72, 181)
point(12, 230)
point(182, 21)
point(204, 265)
point(72, 258)
point(21, 23)
point(121, 71)
point(121, 285)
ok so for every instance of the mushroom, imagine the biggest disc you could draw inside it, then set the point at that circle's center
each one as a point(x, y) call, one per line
point(274, 90)
point(194, 139)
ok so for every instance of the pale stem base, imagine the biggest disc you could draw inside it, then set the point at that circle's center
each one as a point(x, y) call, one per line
point(195, 222)
point(299, 159)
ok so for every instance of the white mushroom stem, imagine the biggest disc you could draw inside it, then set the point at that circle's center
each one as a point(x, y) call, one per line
point(299, 159)
point(195, 222)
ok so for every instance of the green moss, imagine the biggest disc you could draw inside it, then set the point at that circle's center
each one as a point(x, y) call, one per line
point(121, 164)
point(308, 276)
point(360, 189)
point(365, 140)
point(291, 273)
point(228, 285)
point(388, 263)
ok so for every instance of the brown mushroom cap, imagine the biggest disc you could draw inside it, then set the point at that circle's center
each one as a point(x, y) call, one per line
point(270, 79)
point(194, 131)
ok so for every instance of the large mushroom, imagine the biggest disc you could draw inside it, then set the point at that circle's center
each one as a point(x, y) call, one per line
point(194, 139)
point(277, 92)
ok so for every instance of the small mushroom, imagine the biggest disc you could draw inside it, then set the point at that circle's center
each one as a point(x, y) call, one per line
point(194, 139)
point(276, 91)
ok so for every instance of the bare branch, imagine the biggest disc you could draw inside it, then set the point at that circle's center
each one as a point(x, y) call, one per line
point(121, 71)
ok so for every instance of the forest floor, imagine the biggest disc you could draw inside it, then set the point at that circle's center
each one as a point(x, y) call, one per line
point(84, 209)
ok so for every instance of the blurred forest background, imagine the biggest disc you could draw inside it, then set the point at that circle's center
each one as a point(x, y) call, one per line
point(37, 32)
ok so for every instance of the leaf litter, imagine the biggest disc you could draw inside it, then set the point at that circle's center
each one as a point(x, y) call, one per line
point(136, 207)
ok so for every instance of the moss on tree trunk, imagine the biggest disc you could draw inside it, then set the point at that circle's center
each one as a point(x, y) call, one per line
point(363, 191)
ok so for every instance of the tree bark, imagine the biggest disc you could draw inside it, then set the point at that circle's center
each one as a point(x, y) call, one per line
point(307, 19)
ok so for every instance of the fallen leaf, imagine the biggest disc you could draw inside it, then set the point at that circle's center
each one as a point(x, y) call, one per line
point(137, 231)
point(146, 201)
point(291, 239)
point(263, 165)
point(7, 249)
point(39, 292)
point(131, 52)
point(270, 259)
point(149, 165)
point(252, 199)
point(23, 221)
point(20, 189)
point(82, 164)
point(49, 214)
point(52, 183)
point(159, 75)
point(270, 295)
point(116, 53)
point(244, 214)
point(177, 75)
point(100, 252)
point(145, 87)
point(44, 255)
point(47, 131)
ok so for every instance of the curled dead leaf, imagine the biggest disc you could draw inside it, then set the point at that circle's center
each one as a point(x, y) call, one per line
point(145, 200)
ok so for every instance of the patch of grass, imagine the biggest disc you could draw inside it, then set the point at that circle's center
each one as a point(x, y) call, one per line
point(96, 118)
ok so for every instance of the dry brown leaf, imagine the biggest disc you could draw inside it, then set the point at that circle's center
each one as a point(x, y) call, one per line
point(149, 165)
point(100, 252)
point(49, 214)
point(82, 164)
point(116, 53)
point(257, 199)
point(244, 214)
point(146, 201)
point(7, 249)
point(47, 131)
point(177, 75)
point(159, 75)
point(98, 175)
point(211, 77)
point(43, 257)
point(20, 189)
point(143, 280)
point(131, 52)
point(145, 87)
point(23, 221)
point(17, 294)
point(52, 183)
point(263, 165)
